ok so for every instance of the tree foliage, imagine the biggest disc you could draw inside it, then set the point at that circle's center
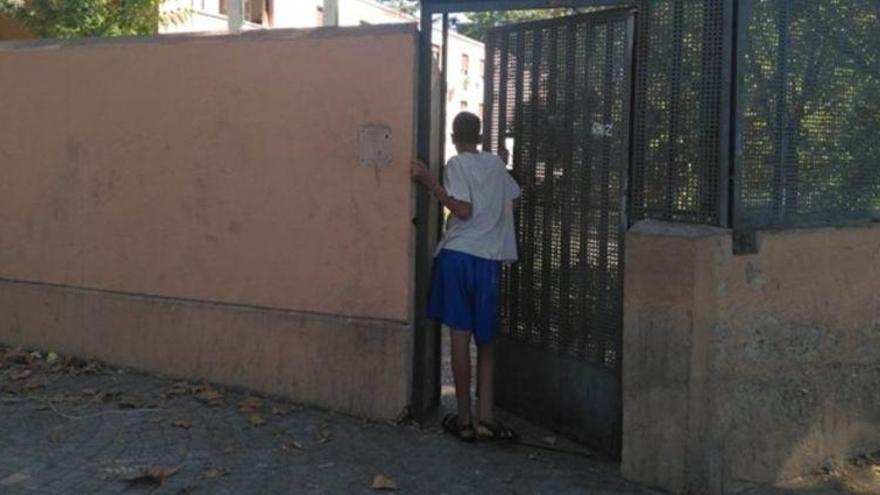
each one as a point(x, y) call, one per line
point(85, 18)
point(812, 108)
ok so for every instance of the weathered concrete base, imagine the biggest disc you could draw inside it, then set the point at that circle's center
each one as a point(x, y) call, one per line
point(747, 370)
point(354, 366)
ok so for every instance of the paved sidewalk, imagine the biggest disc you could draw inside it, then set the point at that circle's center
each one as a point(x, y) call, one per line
point(76, 427)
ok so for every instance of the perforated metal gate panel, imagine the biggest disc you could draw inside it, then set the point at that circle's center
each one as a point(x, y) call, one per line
point(559, 99)
point(679, 131)
point(809, 112)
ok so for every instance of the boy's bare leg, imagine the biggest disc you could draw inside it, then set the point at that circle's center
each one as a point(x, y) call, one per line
point(461, 372)
point(485, 381)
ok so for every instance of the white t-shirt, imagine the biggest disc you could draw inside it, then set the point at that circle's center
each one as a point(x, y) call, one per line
point(482, 180)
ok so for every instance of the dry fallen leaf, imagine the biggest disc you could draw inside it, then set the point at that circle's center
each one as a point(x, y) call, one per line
point(551, 440)
point(215, 473)
point(51, 358)
point(250, 404)
point(382, 482)
point(15, 478)
point(209, 395)
point(180, 388)
point(324, 434)
point(256, 420)
point(182, 423)
point(291, 445)
point(20, 375)
point(155, 475)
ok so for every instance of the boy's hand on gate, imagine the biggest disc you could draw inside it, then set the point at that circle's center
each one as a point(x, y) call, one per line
point(504, 154)
point(420, 173)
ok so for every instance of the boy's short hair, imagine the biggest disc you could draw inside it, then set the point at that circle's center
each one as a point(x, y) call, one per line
point(466, 128)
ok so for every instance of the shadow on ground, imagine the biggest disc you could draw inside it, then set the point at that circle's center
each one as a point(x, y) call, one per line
point(68, 426)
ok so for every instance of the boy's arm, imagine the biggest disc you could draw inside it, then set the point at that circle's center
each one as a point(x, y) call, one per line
point(461, 209)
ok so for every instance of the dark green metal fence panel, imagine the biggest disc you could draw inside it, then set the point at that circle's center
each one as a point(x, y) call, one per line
point(808, 115)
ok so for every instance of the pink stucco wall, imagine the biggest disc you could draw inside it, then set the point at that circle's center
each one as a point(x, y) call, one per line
point(218, 169)
point(196, 206)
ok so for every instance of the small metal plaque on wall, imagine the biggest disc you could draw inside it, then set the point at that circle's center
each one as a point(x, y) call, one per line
point(374, 146)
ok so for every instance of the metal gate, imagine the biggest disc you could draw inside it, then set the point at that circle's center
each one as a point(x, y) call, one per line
point(558, 96)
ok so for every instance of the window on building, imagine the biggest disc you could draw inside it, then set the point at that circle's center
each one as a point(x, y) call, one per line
point(252, 10)
point(465, 64)
point(464, 105)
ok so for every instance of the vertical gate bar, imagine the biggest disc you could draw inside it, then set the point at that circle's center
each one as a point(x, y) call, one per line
point(530, 206)
point(711, 126)
point(522, 174)
point(605, 204)
point(639, 193)
point(489, 123)
point(568, 188)
point(503, 72)
point(624, 223)
point(586, 273)
point(548, 134)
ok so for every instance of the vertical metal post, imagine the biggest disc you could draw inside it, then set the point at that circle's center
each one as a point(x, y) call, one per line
point(426, 351)
point(741, 15)
point(729, 83)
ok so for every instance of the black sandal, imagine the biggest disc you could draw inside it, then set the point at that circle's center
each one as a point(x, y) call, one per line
point(496, 431)
point(465, 433)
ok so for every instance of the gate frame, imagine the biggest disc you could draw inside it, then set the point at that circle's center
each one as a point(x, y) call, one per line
point(426, 341)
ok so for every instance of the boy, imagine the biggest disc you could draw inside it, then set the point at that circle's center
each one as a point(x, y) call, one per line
point(479, 193)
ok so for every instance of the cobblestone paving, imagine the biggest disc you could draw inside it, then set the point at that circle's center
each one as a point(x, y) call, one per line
point(66, 434)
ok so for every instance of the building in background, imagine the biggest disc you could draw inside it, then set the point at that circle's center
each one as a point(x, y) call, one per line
point(465, 56)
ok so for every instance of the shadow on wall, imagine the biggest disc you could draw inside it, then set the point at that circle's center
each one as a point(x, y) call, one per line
point(795, 356)
point(753, 370)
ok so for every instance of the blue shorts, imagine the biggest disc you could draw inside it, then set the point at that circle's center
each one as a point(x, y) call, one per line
point(464, 294)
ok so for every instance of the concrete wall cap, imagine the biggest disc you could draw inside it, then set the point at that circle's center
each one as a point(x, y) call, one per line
point(255, 35)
